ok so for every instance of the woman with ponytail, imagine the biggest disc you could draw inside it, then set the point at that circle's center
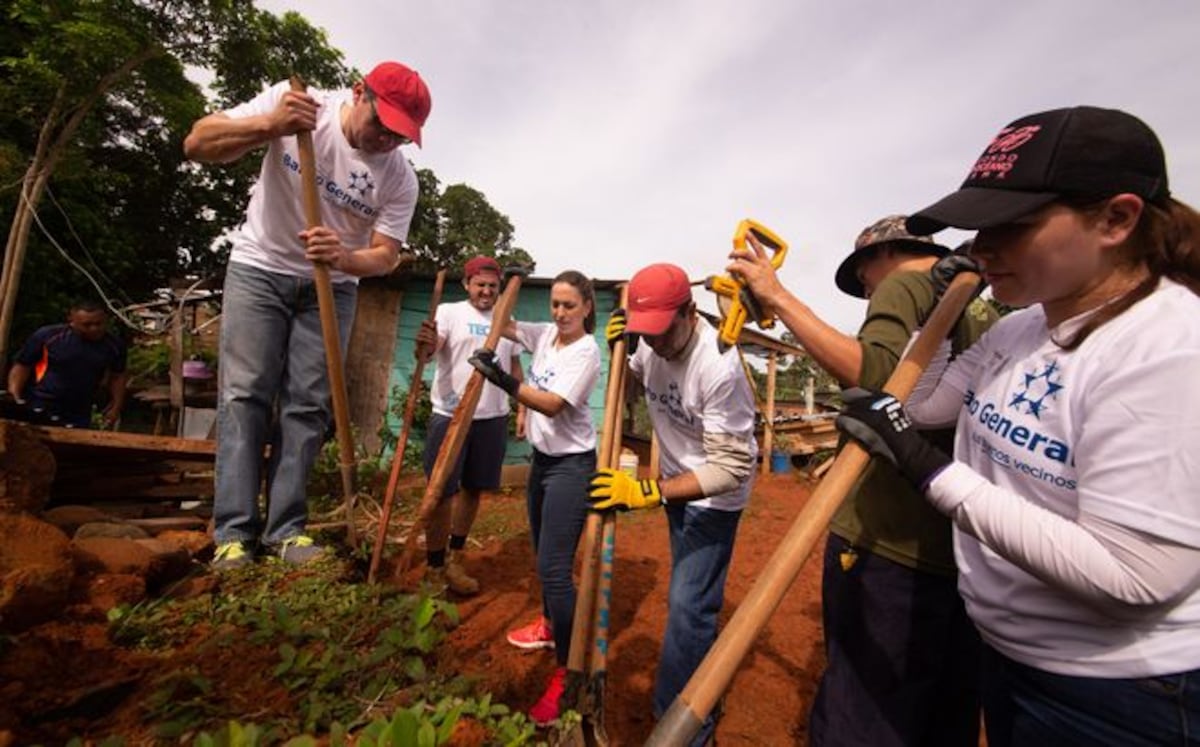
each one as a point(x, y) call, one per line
point(1075, 483)
point(565, 368)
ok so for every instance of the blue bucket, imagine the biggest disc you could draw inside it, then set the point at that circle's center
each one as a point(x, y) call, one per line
point(780, 461)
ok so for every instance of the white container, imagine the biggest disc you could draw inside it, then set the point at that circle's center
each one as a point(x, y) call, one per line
point(628, 463)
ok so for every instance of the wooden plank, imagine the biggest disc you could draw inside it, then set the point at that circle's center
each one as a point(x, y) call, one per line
point(124, 441)
point(769, 415)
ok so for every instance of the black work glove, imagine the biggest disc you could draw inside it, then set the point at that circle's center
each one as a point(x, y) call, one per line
point(877, 420)
point(615, 330)
point(484, 361)
point(948, 267)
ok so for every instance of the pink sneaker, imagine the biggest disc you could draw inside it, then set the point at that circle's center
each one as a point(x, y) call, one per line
point(536, 634)
point(545, 711)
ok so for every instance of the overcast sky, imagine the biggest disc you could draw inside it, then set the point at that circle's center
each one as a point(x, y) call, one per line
point(616, 133)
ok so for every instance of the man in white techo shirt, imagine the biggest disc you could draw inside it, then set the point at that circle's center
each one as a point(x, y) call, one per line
point(461, 329)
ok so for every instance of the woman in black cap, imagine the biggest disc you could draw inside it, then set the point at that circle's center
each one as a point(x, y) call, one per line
point(1077, 461)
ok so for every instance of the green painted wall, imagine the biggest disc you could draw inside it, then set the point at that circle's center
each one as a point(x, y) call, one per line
point(533, 305)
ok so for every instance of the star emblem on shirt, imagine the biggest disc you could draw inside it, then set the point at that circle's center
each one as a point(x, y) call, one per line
point(360, 182)
point(673, 398)
point(1039, 386)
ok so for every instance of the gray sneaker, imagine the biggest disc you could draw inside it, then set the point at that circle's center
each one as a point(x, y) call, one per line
point(299, 550)
point(231, 555)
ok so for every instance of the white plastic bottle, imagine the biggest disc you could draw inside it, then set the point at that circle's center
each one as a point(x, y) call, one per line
point(628, 463)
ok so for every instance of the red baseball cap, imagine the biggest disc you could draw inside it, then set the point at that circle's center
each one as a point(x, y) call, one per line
point(476, 265)
point(401, 98)
point(655, 295)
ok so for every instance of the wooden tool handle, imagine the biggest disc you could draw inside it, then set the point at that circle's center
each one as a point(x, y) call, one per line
point(329, 325)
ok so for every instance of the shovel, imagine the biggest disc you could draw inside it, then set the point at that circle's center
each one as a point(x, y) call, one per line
point(587, 660)
point(329, 326)
point(683, 719)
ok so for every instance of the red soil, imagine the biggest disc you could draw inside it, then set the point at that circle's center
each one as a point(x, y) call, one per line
point(769, 698)
point(77, 682)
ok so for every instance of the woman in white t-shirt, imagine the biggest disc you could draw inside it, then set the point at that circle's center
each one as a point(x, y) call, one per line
point(565, 367)
point(1074, 490)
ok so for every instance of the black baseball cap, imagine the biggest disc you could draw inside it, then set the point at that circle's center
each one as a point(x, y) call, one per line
point(1083, 150)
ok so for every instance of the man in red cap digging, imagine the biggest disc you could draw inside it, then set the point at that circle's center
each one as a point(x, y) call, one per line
point(461, 329)
point(702, 410)
point(273, 378)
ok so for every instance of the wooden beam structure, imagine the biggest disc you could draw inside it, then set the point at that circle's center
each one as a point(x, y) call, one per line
point(768, 439)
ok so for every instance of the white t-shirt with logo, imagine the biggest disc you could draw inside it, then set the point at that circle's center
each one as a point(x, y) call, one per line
point(358, 192)
point(1111, 429)
point(704, 392)
point(571, 373)
point(465, 329)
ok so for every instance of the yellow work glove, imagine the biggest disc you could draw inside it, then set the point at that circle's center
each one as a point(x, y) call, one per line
point(612, 488)
point(615, 329)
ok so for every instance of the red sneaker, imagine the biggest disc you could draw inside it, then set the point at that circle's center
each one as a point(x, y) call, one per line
point(545, 711)
point(536, 634)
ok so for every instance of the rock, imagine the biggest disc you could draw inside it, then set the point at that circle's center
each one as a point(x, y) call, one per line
point(157, 562)
point(35, 571)
point(105, 591)
point(192, 587)
point(198, 544)
point(170, 563)
point(27, 469)
point(111, 529)
point(111, 555)
point(70, 518)
point(159, 524)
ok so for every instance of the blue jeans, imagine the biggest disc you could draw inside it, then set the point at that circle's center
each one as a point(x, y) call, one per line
point(557, 500)
point(1026, 707)
point(274, 388)
point(903, 657)
point(701, 547)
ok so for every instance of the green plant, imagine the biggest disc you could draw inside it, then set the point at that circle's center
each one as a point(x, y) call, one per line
point(423, 724)
point(325, 479)
point(336, 643)
point(149, 362)
point(421, 414)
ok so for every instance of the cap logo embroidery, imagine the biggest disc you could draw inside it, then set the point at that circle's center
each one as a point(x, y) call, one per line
point(999, 158)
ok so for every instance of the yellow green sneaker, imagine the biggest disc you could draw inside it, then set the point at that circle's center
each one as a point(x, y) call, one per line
point(299, 550)
point(231, 555)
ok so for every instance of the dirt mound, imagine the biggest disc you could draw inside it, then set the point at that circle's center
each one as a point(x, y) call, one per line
point(769, 699)
point(66, 678)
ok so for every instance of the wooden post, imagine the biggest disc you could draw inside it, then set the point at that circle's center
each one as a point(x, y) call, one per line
point(769, 415)
point(175, 375)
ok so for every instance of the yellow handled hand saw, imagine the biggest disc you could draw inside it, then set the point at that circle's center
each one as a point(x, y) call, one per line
point(734, 299)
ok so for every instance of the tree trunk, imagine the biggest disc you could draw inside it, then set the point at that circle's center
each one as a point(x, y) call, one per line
point(52, 142)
